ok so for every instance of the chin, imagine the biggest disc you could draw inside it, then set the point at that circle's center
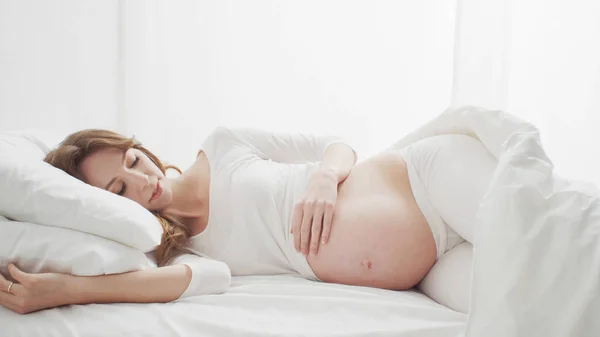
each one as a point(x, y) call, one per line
point(162, 202)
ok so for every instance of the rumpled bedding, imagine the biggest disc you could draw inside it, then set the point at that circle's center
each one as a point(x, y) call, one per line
point(537, 262)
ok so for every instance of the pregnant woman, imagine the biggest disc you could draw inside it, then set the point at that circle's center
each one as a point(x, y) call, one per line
point(261, 203)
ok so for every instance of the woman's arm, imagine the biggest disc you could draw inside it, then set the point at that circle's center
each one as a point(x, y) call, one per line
point(190, 275)
point(282, 147)
point(338, 160)
point(195, 276)
point(163, 284)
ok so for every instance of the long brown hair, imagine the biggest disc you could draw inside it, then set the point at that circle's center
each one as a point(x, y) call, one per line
point(77, 146)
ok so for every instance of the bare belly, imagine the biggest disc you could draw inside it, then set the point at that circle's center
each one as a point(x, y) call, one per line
point(379, 236)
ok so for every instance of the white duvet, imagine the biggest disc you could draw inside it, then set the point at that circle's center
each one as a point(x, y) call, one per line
point(537, 263)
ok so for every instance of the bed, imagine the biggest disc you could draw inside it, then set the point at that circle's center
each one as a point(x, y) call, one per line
point(283, 305)
point(535, 271)
point(254, 306)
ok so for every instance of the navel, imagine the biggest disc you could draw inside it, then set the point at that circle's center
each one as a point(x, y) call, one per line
point(366, 263)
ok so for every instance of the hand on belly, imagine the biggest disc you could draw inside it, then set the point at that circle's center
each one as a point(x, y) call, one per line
point(375, 248)
point(379, 238)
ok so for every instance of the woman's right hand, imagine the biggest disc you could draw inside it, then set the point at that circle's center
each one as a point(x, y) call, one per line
point(33, 292)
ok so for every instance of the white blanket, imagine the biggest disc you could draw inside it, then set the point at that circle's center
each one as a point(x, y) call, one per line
point(537, 259)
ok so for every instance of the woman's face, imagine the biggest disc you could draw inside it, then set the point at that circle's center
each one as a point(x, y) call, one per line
point(131, 174)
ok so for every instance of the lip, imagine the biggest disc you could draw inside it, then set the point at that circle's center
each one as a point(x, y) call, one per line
point(158, 191)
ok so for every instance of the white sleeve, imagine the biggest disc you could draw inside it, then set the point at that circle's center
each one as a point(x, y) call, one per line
point(208, 276)
point(289, 148)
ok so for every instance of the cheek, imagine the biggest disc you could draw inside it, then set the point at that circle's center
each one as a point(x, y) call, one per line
point(156, 171)
point(166, 196)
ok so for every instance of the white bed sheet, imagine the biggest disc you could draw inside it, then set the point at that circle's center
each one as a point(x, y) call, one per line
point(254, 306)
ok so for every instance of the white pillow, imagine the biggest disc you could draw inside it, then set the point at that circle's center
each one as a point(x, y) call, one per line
point(449, 281)
point(37, 248)
point(34, 191)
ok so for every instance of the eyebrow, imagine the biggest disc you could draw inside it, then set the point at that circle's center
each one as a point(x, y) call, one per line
point(115, 178)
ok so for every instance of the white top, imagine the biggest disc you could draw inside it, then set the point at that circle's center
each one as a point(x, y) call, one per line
point(256, 179)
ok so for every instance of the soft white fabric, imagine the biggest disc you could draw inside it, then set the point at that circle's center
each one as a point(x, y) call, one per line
point(449, 175)
point(256, 179)
point(33, 191)
point(536, 266)
point(455, 171)
point(257, 306)
point(449, 281)
point(208, 276)
point(37, 248)
point(34, 143)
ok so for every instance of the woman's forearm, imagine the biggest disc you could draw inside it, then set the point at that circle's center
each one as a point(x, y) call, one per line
point(163, 284)
point(338, 159)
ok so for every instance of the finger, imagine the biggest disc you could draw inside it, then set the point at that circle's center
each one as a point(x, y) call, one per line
point(296, 225)
point(17, 289)
point(306, 225)
point(327, 221)
point(317, 225)
point(7, 298)
point(4, 283)
point(12, 307)
point(17, 274)
point(297, 218)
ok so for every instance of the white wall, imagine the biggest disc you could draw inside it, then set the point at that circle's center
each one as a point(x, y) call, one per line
point(58, 64)
point(370, 70)
point(539, 60)
point(554, 80)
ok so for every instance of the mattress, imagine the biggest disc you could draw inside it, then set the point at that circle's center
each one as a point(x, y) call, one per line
point(254, 306)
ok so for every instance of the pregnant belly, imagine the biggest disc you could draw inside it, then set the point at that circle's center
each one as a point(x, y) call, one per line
point(379, 237)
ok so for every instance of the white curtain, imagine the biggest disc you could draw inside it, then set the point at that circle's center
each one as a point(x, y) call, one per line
point(58, 64)
point(170, 71)
point(540, 60)
point(367, 70)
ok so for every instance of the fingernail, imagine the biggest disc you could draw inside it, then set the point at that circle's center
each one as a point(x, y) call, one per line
point(323, 241)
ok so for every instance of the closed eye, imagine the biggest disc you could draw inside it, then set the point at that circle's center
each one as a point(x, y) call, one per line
point(122, 190)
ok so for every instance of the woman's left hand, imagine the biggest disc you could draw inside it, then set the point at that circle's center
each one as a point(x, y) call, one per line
point(313, 214)
point(33, 292)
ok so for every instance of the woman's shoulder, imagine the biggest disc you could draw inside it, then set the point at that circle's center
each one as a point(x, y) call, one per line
point(219, 137)
point(221, 148)
point(215, 140)
point(220, 132)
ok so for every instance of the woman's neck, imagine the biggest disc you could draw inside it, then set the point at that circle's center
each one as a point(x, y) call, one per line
point(190, 198)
